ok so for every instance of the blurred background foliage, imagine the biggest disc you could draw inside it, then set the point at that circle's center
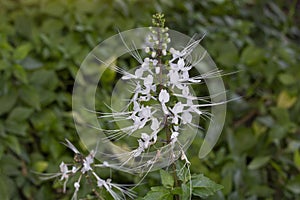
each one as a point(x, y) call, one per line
point(43, 42)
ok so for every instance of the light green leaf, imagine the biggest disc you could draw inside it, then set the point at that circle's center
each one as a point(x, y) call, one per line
point(159, 193)
point(22, 51)
point(185, 192)
point(166, 178)
point(13, 143)
point(285, 100)
point(297, 159)
point(286, 79)
point(258, 162)
point(40, 166)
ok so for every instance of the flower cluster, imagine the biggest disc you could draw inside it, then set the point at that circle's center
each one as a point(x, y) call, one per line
point(85, 167)
point(162, 96)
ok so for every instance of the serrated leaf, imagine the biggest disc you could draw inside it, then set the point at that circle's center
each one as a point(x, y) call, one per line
point(166, 178)
point(185, 192)
point(258, 162)
point(204, 187)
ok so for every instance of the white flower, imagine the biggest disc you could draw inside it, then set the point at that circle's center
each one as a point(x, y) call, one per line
point(164, 96)
point(164, 52)
point(153, 54)
point(64, 170)
point(147, 49)
point(87, 163)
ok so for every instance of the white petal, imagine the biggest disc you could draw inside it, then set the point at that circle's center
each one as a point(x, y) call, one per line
point(165, 109)
point(157, 70)
point(187, 117)
point(174, 77)
point(185, 91)
point(178, 108)
point(155, 124)
point(148, 80)
point(180, 63)
point(164, 96)
point(139, 73)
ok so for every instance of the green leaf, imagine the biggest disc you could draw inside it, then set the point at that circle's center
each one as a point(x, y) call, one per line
point(40, 166)
point(258, 162)
point(7, 101)
point(159, 193)
point(294, 185)
point(18, 128)
point(30, 96)
point(13, 143)
point(45, 79)
point(20, 73)
point(228, 54)
point(185, 192)
point(260, 190)
point(204, 187)
point(22, 51)
point(19, 114)
point(166, 178)
point(31, 63)
point(285, 100)
point(3, 188)
point(252, 55)
point(286, 79)
point(297, 159)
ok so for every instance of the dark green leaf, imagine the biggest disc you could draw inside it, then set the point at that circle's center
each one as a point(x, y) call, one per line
point(30, 96)
point(7, 101)
point(204, 187)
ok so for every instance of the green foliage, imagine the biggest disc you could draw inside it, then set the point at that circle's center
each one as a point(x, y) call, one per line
point(43, 43)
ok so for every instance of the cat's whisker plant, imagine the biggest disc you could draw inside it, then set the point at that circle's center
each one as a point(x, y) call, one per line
point(155, 117)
